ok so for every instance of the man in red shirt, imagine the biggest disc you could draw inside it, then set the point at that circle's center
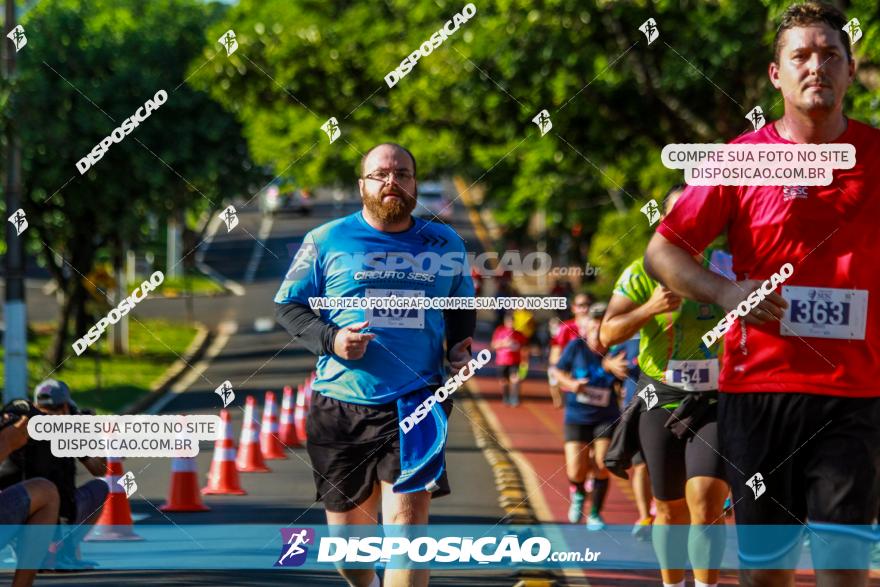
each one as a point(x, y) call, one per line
point(799, 408)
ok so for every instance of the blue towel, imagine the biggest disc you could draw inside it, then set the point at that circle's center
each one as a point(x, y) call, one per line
point(422, 449)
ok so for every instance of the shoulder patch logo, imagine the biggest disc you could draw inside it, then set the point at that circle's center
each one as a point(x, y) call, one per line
point(794, 192)
point(302, 262)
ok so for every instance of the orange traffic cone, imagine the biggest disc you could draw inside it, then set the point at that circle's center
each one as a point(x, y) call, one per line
point(249, 459)
point(223, 476)
point(184, 496)
point(287, 431)
point(115, 520)
point(299, 414)
point(270, 443)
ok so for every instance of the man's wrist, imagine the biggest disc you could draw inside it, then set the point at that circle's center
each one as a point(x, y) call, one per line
point(715, 290)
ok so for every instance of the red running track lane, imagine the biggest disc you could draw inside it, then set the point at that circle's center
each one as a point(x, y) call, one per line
point(534, 429)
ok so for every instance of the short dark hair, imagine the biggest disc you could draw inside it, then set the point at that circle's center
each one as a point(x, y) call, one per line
point(812, 13)
point(396, 146)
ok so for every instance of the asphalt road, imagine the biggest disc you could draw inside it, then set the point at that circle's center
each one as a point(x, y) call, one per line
point(255, 360)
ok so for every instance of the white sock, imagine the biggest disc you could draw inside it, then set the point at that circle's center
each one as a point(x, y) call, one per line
point(376, 582)
point(701, 584)
point(679, 584)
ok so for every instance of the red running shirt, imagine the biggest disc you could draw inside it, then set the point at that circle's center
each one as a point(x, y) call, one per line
point(568, 331)
point(830, 235)
point(510, 355)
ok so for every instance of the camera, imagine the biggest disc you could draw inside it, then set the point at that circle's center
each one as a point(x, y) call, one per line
point(15, 410)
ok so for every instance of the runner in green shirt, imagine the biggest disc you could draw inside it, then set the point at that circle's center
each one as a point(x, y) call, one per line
point(685, 468)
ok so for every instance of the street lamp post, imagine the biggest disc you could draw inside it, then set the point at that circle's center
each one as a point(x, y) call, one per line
point(15, 337)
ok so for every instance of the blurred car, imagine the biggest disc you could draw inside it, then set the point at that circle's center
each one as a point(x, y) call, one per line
point(301, 200)
point(270, 199)
point(281, 195)
point(433, 202)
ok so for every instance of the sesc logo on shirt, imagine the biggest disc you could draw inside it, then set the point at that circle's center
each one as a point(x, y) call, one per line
point(794, 192)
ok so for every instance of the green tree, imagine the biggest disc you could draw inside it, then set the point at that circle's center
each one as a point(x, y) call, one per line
point(466, 108)
point(88, 66)
point(470, 102)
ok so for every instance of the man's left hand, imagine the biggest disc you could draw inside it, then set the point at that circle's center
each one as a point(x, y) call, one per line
point(460, 353)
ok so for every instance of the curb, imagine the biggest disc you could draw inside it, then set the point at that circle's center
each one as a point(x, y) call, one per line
point(174, 372)
point(512, 494)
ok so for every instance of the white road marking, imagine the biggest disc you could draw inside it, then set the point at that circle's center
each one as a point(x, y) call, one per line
point(224, 332)
point(264, 324)
point(229, 284)
point(259, 247)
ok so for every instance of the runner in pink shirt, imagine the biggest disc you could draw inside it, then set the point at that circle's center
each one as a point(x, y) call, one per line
point(508, 344)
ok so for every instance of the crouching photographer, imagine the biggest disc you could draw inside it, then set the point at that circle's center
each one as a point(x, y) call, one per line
point(32, 502)
point(79, 506)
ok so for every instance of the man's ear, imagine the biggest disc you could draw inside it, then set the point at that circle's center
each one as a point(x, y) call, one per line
point(773, 74)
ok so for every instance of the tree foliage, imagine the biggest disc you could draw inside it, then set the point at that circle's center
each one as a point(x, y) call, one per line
point(88, 66)
point(467, 107)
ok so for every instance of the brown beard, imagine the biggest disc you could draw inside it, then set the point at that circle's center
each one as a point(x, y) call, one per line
point(393, 211)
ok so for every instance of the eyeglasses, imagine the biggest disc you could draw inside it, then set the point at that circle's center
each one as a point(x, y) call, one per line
point(384, 176)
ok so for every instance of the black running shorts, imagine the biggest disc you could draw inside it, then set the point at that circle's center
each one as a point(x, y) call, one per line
point(672, 461)
point(352, 447)
point(818, 458)
point(588, 432)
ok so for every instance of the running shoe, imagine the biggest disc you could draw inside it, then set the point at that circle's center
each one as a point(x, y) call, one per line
point(595, 523)
point(576, 509)
point(642, 529)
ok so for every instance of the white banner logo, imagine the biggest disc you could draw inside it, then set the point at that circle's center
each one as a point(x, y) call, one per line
point(331, 127)
point(652, 211)
point(225, 392)
point(854, 29)
point(19, 221)
point(756, 117)
point(543, 121)
point(18, 39)
point(123, 130)
point(426, 48)
point(128, 483)
point(229, 217)
point(649, 396)
point(747, 305)
point(649, 27)
point(115, 315)
point(229, 42)
point(757, 485)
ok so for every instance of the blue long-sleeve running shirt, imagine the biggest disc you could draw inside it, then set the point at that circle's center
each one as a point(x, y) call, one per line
point(349, 258)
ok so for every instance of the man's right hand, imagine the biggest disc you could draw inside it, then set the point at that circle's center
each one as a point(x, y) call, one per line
point(771, 307)
point(663, 300)
point(350, 343)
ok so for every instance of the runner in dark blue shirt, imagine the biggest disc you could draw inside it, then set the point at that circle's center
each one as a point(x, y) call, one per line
point(591, 409)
